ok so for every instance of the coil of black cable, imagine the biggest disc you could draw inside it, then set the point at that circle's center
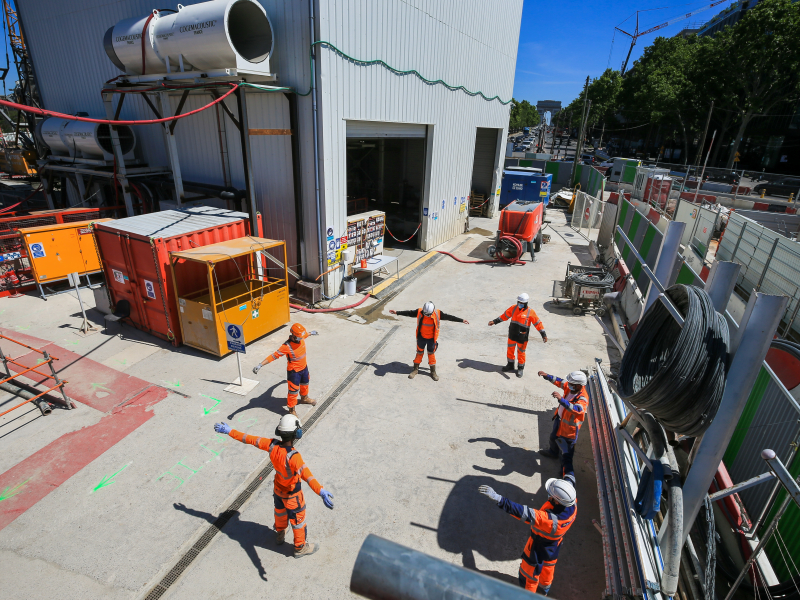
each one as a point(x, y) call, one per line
point(678, 374)
point(597, 280)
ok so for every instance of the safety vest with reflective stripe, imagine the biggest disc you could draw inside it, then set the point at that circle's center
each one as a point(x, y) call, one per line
point(289, 470)
point(295, 354)
point(428, 327)
point(525, 317)
point(570, 420)
point(547, 531)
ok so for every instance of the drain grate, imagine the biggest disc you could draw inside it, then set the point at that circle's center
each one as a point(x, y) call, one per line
point(176, 571)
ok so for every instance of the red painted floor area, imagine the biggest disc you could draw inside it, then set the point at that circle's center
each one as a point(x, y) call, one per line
point(127, 401)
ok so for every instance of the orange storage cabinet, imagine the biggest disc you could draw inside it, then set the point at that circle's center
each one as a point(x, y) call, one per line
point(55, 251)
point(135, 254)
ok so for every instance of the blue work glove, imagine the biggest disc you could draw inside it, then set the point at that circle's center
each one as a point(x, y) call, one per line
point(487, 491)
point(257, 368)
point(222, 428)
point(327, 498)
point(315, 332)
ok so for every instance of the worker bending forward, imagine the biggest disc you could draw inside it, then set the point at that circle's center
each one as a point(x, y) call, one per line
point(290, 504)
point(549, 524)
point(294, 349)
point(522, 317)
point(568, 417)
point(428, 320)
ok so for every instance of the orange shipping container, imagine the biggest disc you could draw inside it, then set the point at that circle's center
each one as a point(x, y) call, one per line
point(135, 254)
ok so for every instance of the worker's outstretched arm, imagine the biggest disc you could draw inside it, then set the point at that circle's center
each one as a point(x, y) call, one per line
point(261, 443)
point(282, 351)
point(556, 381)
point(298, 465)
point(404, 313)
point(445, 317)
point(518, 511)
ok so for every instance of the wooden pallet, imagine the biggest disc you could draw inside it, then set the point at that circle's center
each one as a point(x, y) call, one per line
point(477, 205)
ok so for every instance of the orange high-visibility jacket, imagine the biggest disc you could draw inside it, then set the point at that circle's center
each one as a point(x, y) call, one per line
point(295, 355)
point(571, 411)
point(428, 327)
point(525, 317)
point(289, 465)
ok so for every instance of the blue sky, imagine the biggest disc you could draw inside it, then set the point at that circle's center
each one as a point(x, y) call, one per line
point(562, 42)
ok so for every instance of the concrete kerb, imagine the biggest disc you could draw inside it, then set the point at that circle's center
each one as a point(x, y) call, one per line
point(202, 539)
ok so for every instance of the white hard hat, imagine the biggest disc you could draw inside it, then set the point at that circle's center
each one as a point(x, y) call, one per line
point(563, 491)
point(288, 424)
point(428, 308)
point(523, 297)
point(577, 378)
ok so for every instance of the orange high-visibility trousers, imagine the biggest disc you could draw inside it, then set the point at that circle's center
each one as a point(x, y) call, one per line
point(422, 344)
point(519, 348)
point(540, 582)
point(298, 382)
point(292, 511)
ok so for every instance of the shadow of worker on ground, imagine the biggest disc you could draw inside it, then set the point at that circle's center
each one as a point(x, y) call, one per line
point(470, 523)
point(266, 401)
point(247, 534)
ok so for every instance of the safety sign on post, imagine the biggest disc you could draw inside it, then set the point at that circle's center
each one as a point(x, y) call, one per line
point(234, 336)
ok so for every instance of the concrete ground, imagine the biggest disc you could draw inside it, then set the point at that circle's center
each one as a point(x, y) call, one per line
point(402, 458)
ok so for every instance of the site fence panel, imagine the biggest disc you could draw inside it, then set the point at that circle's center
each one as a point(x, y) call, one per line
point(646, 238)
point(587, 215)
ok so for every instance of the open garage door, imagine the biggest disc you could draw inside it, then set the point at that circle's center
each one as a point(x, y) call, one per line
point(386, 172)
point(485, 160)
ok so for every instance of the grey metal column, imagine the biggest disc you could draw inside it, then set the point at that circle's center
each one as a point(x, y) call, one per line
point(122, 174)
point(766, 264)
point(665, 263)
point(720, 283)
point(750, 345)
point(172, 148)
point(247, 159)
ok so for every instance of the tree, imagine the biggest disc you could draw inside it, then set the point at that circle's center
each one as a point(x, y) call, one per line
point(523, 114)
point(761, 57)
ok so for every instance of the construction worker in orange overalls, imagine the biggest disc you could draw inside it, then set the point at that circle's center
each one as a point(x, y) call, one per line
point(290, 504)
point(294, 349)
point(428, 321)
point(549, 524)
point(522, 317)
point(568, 417)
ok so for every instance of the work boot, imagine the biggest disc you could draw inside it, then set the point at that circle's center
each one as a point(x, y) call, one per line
point(280, 537)
point(307, 400)
point(434, 376)
point(547, 453)
point(306, 550)
point(414, 372)
point(519, 370)
point(508, 368)
point(290, 410)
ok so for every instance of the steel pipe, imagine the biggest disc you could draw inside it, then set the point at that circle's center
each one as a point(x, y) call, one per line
point(721, 281)
point(385, 570)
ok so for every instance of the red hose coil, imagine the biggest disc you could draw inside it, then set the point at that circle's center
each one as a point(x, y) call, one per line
point(329, 310)
point(509, 261)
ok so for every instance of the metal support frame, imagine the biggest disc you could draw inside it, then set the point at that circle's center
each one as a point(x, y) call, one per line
point(247, 158)
point(122, 174)
point(749, 348)
point(739, 240)
point(735, 489)
point(793, 494)
point(720, 283)
point(299, 215)
point(667, 255)
point(766, 264)
point(172, 149)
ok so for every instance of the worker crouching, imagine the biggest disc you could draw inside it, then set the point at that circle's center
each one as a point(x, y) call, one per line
point(549, 524)
point(294, 349)
point(290, 504)
point(522, 317)
point(428, 321)
point(568, 417)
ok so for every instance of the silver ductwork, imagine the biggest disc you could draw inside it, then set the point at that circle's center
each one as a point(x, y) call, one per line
point(79, 139)
point(214, 36)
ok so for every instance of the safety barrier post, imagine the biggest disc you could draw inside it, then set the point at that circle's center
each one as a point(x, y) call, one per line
point(665, 263)
point(748, 348)
point(721, 281)
point(49, 360)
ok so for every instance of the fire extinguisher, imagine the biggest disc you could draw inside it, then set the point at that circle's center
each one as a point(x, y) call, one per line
point(12, 282)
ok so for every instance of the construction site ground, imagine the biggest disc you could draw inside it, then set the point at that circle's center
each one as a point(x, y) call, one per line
point(105, 500)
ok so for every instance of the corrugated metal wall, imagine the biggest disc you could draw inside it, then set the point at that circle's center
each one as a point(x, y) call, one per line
point(467, 42)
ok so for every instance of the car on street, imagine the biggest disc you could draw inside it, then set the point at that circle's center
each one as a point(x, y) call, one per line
point(587, 159)
point(780, 187)
point(727, 177)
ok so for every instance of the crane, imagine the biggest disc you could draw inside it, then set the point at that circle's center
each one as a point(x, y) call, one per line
point(637, 34)
point(26, 91)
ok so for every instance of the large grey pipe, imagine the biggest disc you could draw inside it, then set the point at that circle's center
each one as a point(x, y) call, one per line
point(23, 391)
point(388, 571)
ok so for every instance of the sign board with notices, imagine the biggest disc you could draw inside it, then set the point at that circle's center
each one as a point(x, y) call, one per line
point(150, 289)
point(365, 234)
point(234, 336)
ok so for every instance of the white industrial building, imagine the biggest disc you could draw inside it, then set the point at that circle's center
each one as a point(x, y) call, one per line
point(385, 140)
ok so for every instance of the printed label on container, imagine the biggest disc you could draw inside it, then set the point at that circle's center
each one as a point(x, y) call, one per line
point(150, 289)
point(37, 250)
point(181, 301)
point(207, 314)
point(118, 276)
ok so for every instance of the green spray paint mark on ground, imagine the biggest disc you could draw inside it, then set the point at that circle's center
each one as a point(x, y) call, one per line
point(10, 492)
point(108, 480)
point(208, 411)
point(99, 386)
point(40, 360)
point(176, 384)
point(122, 362)
point(21, 328)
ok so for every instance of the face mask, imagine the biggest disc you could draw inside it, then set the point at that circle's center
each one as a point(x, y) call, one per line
point(574, 388)
point(295, 339)
point(521, 305)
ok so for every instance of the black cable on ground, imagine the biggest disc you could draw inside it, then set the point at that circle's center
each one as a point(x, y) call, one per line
point(678, 374)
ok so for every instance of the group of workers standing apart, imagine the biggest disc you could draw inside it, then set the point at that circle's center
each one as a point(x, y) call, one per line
point(548, 524)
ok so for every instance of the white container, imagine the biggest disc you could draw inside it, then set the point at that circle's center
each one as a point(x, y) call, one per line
point(348, 255)
point(80, 139)
point(349, 285)
point(212, 36)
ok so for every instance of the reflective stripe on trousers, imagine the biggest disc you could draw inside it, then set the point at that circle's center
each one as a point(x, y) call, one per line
point(519, 349)
point(292, 511)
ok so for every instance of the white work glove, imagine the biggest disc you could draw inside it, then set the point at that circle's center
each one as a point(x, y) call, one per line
point(487, 491)
point(315, 332)
point(256, 369)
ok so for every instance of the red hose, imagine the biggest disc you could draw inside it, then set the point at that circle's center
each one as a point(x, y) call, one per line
point(403, 241)
point(50, 113)
point(8, 208)
point(502, 259)
point(329, 310)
